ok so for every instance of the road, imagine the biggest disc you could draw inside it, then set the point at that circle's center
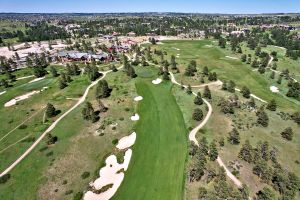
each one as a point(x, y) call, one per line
point(53, 125)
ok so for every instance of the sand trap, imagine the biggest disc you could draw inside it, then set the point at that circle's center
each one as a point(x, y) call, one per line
point(138, 98)
point(25, 77)
point(135, 117)
point(159, 43)
point(37, 79)
point(256, 97)
point(109, 175)
point(44, 88)
point(127, 141)
point(156, 81)
point(234, 58)
point(2, 92)
point(176, 49)
point(208, 45)
point(20, 98)
point(274, 89)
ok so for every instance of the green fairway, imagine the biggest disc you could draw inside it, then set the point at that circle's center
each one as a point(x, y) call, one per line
point(156, 170)
point(226, 68)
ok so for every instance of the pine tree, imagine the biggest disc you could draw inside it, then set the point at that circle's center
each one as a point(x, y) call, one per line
point(265, 194)
point(279, 80)
point(205, 71)
point(287, 133)
point(231, 86)
point(246, 152)
point(206, 93)
point(262, 118)
point(50, 111)
point(251, 103)
point(246, 92)
point(198, 99)
point(88, 112)
point(166, 76)
point(213, 152)
point(62, 83)
point(234, 136)
point(189, 90)
point(272, 75)
point(272, 105)
point(53, 71)
point(224, 85)
point(102, 90)
point(198, 114)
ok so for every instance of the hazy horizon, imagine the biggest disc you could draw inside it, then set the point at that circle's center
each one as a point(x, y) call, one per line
point(136, 6)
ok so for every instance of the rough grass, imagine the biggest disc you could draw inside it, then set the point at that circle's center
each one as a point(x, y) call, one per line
point(79, 147)
point(156, 170)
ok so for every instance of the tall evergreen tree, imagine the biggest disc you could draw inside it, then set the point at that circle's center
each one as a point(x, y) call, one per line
point(198, 99)
point(206, 93)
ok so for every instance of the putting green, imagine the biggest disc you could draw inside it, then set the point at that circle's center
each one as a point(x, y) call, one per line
point(156, 170)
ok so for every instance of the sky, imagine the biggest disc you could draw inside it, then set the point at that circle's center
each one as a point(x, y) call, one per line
point(187, 6)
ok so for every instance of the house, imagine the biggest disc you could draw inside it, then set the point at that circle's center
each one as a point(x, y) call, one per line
point(66, 56)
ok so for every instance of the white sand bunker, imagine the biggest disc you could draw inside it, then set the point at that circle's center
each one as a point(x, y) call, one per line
point(234, 58)
point(25, 77)
point(156, 81)
point(127, 141)
point(109, 175)
point(135, 117)
point(20, 98)
point(138, 98)
point(208, 45)
point(176, 49)
point(274, 89)
point(37, 79)
point(2, 92)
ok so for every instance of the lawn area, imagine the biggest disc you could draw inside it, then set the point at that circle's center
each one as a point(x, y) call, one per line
point(226, 68)
point(157, 166)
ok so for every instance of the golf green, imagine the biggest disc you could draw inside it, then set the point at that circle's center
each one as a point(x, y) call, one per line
point(156, 170)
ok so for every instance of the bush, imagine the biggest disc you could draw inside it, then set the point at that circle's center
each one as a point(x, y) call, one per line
point(49, 154)
point(4, 178)
point(85, 175)
point(23, 126)
point(115, 141)
point(64, 182)
point(78, 196)
point(68, 192)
